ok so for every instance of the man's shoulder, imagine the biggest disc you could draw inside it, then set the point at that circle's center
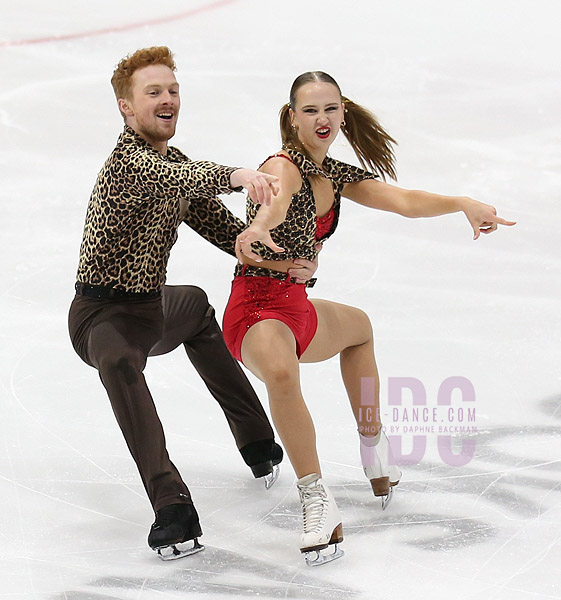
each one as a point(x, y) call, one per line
point(132, 150)
point(175, 154)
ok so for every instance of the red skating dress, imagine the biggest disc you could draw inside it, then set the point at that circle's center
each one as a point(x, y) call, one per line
point(259, 293)
point(255, 299)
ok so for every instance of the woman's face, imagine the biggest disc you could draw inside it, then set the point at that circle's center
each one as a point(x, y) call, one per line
point(317, 115)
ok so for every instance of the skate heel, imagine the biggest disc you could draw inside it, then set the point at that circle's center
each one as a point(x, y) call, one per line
point(337, 535)
point(261, 469)
point(377, 462)
point(263, 458)
point(336, 538)
point(268, 471)
point(313, 555)
point(176, 525)
point(380, 486)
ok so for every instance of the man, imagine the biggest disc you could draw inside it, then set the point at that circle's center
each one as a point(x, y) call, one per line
point(122, 312)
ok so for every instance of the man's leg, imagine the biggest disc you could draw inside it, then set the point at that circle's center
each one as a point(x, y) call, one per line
point(189, 320)
point(115, 338)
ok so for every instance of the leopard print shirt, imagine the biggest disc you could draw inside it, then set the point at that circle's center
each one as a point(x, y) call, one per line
point(296, 234)
point(134, 212)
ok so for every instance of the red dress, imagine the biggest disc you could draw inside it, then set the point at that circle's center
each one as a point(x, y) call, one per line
point(260, 294)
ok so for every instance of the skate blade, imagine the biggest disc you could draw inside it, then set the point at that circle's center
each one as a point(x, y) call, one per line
point(314, 558)
point(387, 499)
point(272, 477)
point(173, 552)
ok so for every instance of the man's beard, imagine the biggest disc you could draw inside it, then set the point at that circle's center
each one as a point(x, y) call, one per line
point(157, 135)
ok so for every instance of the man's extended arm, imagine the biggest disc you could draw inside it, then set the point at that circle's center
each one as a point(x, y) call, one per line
point(213, 221)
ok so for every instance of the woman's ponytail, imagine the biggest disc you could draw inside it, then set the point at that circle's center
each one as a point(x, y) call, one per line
point(288, 135)
point(369, 140)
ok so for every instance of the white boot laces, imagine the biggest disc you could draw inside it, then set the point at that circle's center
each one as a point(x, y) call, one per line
point(314, 506)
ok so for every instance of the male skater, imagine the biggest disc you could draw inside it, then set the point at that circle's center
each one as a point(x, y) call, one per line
point(122, 312)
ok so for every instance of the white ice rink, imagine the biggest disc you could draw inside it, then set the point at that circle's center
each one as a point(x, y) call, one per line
point(472, 92)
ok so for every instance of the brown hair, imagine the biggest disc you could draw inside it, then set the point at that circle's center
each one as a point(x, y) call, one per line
point(122, 75)
point(370, 142)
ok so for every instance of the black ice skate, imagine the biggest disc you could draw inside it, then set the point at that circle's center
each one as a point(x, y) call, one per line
point(174, 525)
point(263, 457)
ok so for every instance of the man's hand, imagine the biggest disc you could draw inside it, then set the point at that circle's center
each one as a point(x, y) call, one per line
point(308, 269)
point(260, 186)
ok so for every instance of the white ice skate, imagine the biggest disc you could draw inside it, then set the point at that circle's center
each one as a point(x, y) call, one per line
point(376, 456)
point(322, 521)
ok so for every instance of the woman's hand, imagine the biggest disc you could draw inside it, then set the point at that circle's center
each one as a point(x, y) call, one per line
point(254, 233)
point(482, 217)
point(260, 186)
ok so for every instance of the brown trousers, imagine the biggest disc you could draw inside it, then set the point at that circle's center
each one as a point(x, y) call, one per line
point(117, 336)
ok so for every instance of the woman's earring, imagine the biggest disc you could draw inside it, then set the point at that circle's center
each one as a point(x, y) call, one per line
point(293, 127)
point(343, 123)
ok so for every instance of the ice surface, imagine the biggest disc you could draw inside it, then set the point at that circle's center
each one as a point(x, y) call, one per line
point(471, 90)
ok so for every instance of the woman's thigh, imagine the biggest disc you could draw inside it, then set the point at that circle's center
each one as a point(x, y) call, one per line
point(269, 350)
point(339, 326)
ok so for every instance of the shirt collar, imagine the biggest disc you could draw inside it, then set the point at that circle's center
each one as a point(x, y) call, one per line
point(309, 167)
point(129, 136)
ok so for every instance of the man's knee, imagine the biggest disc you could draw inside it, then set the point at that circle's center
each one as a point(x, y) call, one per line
point(126, 366)
point(193, 300)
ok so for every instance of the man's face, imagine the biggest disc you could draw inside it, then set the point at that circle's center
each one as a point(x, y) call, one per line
point(153, 108)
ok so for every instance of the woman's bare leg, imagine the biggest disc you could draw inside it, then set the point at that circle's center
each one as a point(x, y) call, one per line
point(347, 331)
point(269, 352)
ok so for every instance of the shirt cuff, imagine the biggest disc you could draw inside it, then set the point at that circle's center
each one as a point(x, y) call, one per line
point(230, 171)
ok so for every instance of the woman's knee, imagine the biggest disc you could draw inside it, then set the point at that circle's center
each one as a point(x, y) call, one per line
point(281, 375)
point(269, 350)
point(357, 325)
point(278, 366)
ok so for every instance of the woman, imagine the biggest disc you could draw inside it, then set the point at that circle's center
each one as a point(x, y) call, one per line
point(269, 323)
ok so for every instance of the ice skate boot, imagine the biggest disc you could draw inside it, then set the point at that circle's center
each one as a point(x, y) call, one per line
point(322, 521)
point(376, 456)
point(174, 525)
point(263, 457)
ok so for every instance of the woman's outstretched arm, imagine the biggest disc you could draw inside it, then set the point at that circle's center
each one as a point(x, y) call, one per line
point(416, 203)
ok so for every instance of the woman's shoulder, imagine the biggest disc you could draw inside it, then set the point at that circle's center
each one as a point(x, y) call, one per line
point(305, 165)
point(345, 172)
point(281, 155)
point(283, 165)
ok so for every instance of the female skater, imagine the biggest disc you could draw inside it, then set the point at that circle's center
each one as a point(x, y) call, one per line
point(269, 323)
